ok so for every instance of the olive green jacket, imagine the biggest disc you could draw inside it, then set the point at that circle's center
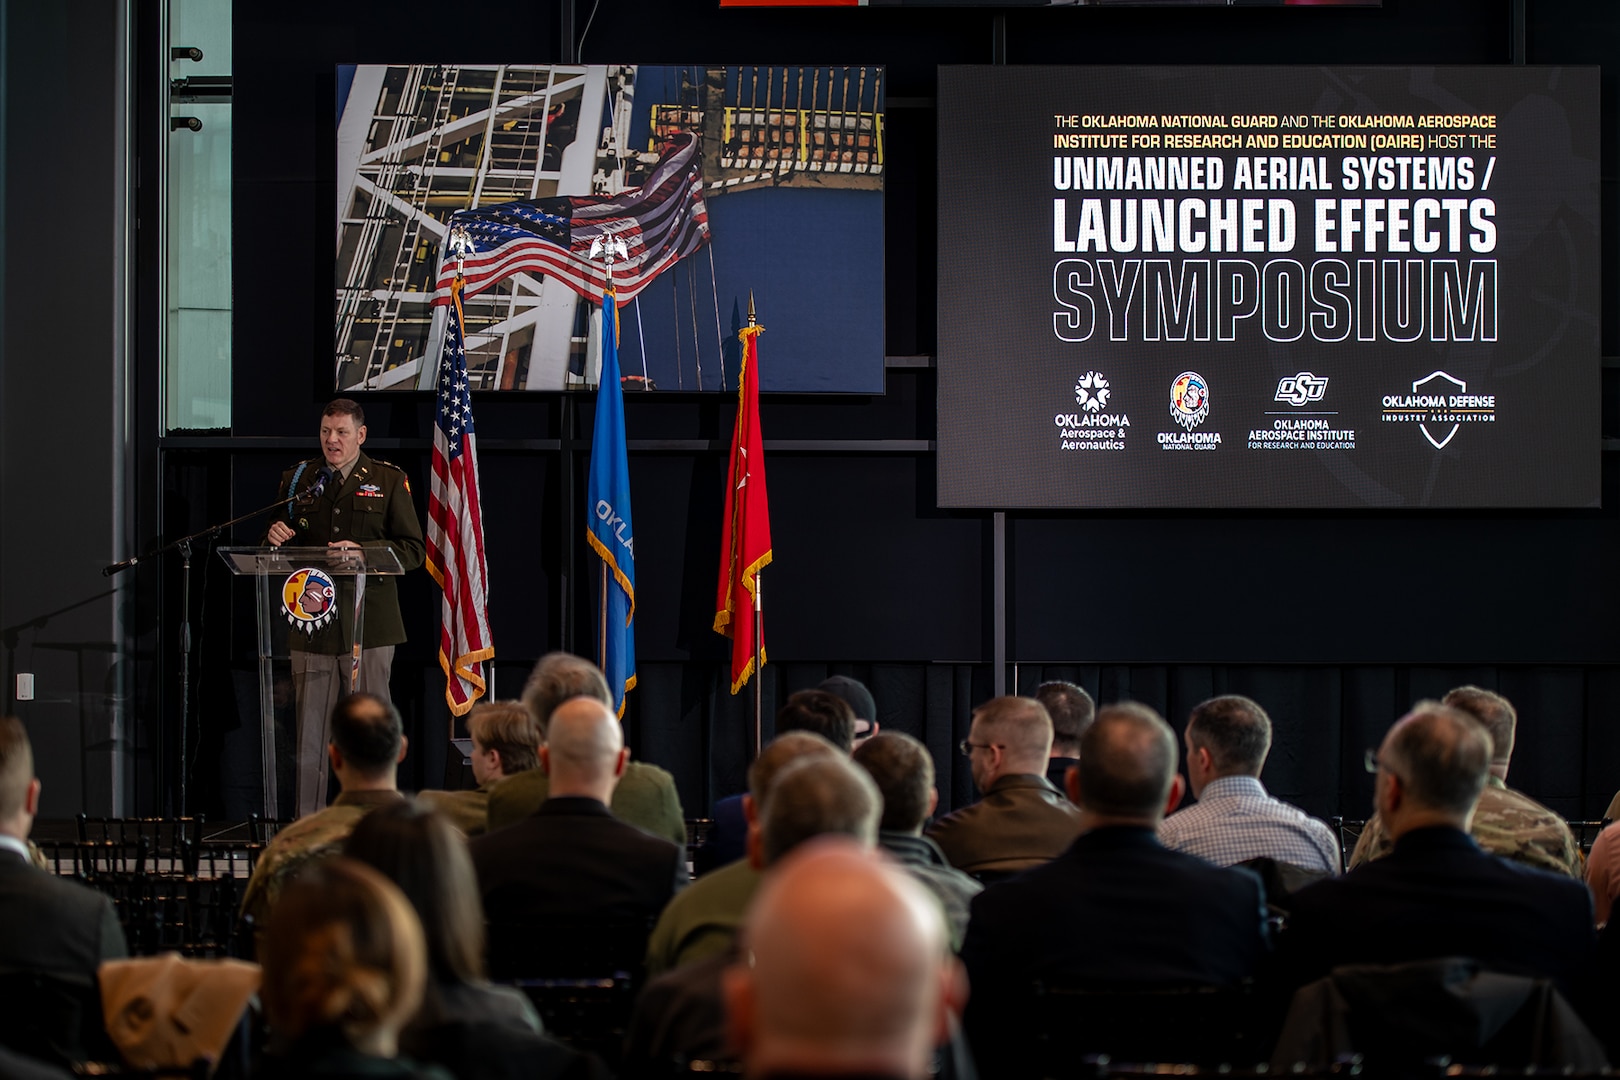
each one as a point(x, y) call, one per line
point(645, 798)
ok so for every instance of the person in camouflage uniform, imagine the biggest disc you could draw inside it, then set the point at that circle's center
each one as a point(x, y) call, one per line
point(1507, 823)
point(368, 743)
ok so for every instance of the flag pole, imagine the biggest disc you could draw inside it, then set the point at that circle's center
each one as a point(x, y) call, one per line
point(607, 246)
point(759, 611)
point(759, 666)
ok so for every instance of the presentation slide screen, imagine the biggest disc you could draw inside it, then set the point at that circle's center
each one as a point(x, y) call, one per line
point(692, 188)
point(1268, 287)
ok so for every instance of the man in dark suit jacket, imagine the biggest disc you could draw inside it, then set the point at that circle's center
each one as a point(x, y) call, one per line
point(48, 926)
point(1117, 908)
point(1438, 894)
point(572, 861)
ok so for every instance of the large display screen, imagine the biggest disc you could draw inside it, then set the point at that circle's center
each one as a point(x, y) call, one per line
point(728, 186)
point(1268, 287)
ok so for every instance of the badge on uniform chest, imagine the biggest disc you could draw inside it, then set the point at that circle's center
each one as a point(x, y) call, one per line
point(370, 491)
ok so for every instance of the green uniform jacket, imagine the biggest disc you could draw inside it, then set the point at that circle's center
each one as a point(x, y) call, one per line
point(645, 798)
point(373, 508)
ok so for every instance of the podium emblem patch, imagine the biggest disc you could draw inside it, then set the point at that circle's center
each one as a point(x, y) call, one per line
point(308, 599)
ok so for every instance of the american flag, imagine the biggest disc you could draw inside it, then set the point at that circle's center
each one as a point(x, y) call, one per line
point(455, 533)
point(662, 221)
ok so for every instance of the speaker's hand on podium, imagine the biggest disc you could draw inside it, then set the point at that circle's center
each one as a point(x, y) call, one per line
point(280, 532)
point(346, 551)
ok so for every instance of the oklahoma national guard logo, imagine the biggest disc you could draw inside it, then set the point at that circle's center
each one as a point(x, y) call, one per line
point(308, 599)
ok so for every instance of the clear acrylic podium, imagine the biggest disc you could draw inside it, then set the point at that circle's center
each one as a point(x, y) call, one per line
point(301, 590)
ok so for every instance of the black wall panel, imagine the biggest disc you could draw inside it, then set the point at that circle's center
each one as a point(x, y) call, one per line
point(1336, 622)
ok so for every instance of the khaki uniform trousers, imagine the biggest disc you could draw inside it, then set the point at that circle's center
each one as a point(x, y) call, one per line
point(320, 681)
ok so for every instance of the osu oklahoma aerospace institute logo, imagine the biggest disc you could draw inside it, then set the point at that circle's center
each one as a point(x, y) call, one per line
point(1189, 399)
point(308, 599)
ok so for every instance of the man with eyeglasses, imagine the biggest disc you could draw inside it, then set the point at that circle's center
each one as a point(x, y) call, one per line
point(1021, 820)
point(1437, 894)
point(1508, 823)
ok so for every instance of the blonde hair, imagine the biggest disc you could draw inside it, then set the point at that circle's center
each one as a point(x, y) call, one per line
point(506, 726)
point(343, 954)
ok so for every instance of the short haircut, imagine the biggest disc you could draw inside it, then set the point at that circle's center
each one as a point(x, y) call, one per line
point(1127, 762)
point(1491, 709)
point(1020, 724)
point(507, 727)
point(817, 796)
point(368, 742)
point(558, 676)
point(1235, 730)
point(346, 407)
point(828, 715)
point(16, 765)
point(418, 849)
point(1442, 756)
point(342, 955)
point(903, 770)
point(776, 756)
point(1070, 708)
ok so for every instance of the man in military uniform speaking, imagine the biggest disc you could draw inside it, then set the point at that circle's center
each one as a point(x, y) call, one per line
point(363, 503)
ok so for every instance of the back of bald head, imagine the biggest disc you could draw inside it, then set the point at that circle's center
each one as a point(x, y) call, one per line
point(818, 795)
point(1494, 711)
point(1127, 762)
point(850, 968)
point(777, 755)
point(557, 677)
point(1441, 755)
point(583, 742)
point(1021, 727)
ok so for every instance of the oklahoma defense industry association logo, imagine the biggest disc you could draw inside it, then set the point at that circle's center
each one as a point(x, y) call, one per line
point(1439, 404)
point(308, 599)
point(1189, 399)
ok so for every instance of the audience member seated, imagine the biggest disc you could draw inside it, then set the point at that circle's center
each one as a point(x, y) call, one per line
point(344, 969)
point(645, 796)
point(368, 743)
point(505, 741)
point(680, 1015)
point(1603, 872)
point(703, 920)
point(853, 692)
point(1021, 820)
point(903, 770)
point(50, 928)
point(1507, 823)
point(822, 712)
point(1235, 820)
point(850, 974)
point(1436, 894)
point(572, 863)
point(473, 1029)
point(1072, 710)
point(1157, 918)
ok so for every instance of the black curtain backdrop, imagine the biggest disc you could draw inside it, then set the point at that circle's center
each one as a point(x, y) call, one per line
point(1336, 622)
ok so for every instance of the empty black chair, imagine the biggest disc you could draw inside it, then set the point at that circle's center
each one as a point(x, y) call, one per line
point(51, 1019)
point(581, 976)
point(1197, 1025)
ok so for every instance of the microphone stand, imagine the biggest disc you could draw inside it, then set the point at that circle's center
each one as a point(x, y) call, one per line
point(183, 546)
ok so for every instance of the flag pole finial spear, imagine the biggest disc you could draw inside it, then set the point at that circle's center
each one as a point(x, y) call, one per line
point(460, 243)
point(751, 319)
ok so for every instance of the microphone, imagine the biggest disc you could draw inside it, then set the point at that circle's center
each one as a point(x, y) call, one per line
point(318, 488)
